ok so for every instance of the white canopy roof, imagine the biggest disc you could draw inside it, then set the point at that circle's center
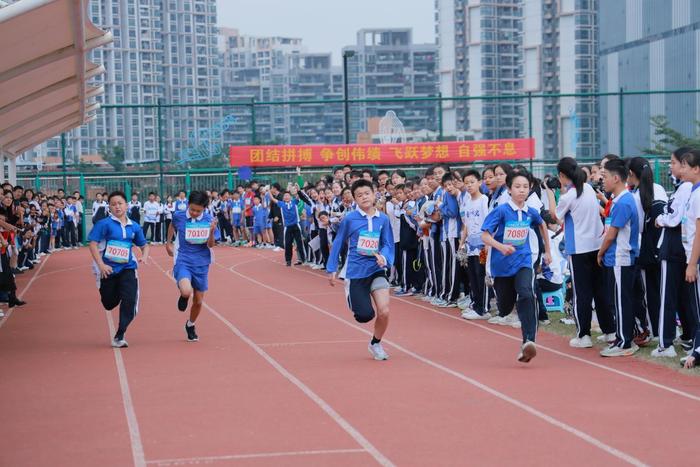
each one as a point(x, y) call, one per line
point(44, 71)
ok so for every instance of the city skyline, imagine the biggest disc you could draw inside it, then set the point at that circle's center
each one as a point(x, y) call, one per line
point(326, 26)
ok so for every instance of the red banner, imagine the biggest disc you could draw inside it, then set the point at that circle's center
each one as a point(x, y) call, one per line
point(382, 154)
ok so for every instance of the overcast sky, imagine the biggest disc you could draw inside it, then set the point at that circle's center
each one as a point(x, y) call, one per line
point(327, 25)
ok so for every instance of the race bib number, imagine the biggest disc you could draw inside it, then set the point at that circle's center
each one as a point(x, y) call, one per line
point(118, 252)
point(197, 232)
point(516, 232)
point(236, 210)
point(368, 243)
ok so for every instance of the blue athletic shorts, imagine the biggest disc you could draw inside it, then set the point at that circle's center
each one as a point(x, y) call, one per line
point(236, 220)
point(258, 229)
point(198, 275)
point(358, 293)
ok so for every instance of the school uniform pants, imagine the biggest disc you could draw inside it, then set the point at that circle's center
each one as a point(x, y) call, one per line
point(409, 278)
point(324, 244)
point(621, 294)
point(641, 323)
point(477, 285)
point(676, 297)
point(166, 226)
point(159, 231)
point(121, 289)
point(79, 228)
point(693, 319)
point(70, 235)
point(430, 271)
point(225, 227)
point(450, 270)
point(590, 283)
point(397, 277)
point(518, 291)
point(650, 276)
point(278, 233)
point(437, 263)
point(292, 234)
point(149, 226)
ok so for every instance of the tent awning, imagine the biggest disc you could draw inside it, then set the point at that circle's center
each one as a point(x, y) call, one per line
point(44, 71)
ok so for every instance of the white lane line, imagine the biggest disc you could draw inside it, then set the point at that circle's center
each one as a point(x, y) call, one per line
point(290, 344)
point(261, 455)
point(57, 271)
point(134, 432)
point(625, 374)
point(344, 424)
point(24, 290)
point(521, 405)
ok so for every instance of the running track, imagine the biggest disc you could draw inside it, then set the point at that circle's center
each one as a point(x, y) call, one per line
point(282, 376)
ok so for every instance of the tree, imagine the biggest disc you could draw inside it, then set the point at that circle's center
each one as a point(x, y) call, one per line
point(667, 139)
point(113, 155)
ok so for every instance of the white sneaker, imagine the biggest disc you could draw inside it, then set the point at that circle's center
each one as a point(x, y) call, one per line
point(660, 352)
point(617, 351)
point(377, 351)
point(446, 304)
point(277, 249)
point(473, 315)
point(527, 352)
point(2, 314)
point(581, 342)
point(510, 320)
point(119, 343)
point(609, 338)
point(495, 320)
point(316, 267)
point(427, 298)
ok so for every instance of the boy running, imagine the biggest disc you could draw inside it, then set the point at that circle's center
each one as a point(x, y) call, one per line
point(197, 232)
point(111, 241)
point(370, 241)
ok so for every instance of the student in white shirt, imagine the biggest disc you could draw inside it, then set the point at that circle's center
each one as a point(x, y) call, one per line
point(578, 210)
point(473, 209)
point(151, 211)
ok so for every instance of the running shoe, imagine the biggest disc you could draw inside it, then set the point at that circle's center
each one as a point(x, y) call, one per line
point(298, 263)
point(581, 342)
point(191, 334)
point(685, 344)
point(608, 338)
point(377, 351)
point(473, 315)
point(617, 351)
point(446, 304)
point(119, 343)
point(660, 352)
point(182, 303)
point(642, 339)
point(527, 352)
point(510, 320)
point(495, 320)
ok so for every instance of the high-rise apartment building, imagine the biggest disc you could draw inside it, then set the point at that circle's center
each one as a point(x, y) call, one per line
point(162, 49)
point(248, 64)
point(495, 48)
point(388, 64)
point(648, 46)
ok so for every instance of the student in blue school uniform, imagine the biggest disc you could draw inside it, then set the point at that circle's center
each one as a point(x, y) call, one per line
point(197, 233)
point(289, 206)
point(370, 240)
point(260, 214)
point(181, 201)
point(506, 230)
point(617, 254)
point(111, 242)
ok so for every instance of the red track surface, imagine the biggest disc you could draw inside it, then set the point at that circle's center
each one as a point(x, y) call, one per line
point(282, 376)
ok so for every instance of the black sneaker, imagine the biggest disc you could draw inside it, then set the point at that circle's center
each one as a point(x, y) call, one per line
point(14, 303)
point(182, 303)
point(191, 334)
point(289, 264)
point(298, 263)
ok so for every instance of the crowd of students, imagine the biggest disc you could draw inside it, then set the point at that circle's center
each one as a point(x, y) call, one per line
point(33, 225)
point(490, 242)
